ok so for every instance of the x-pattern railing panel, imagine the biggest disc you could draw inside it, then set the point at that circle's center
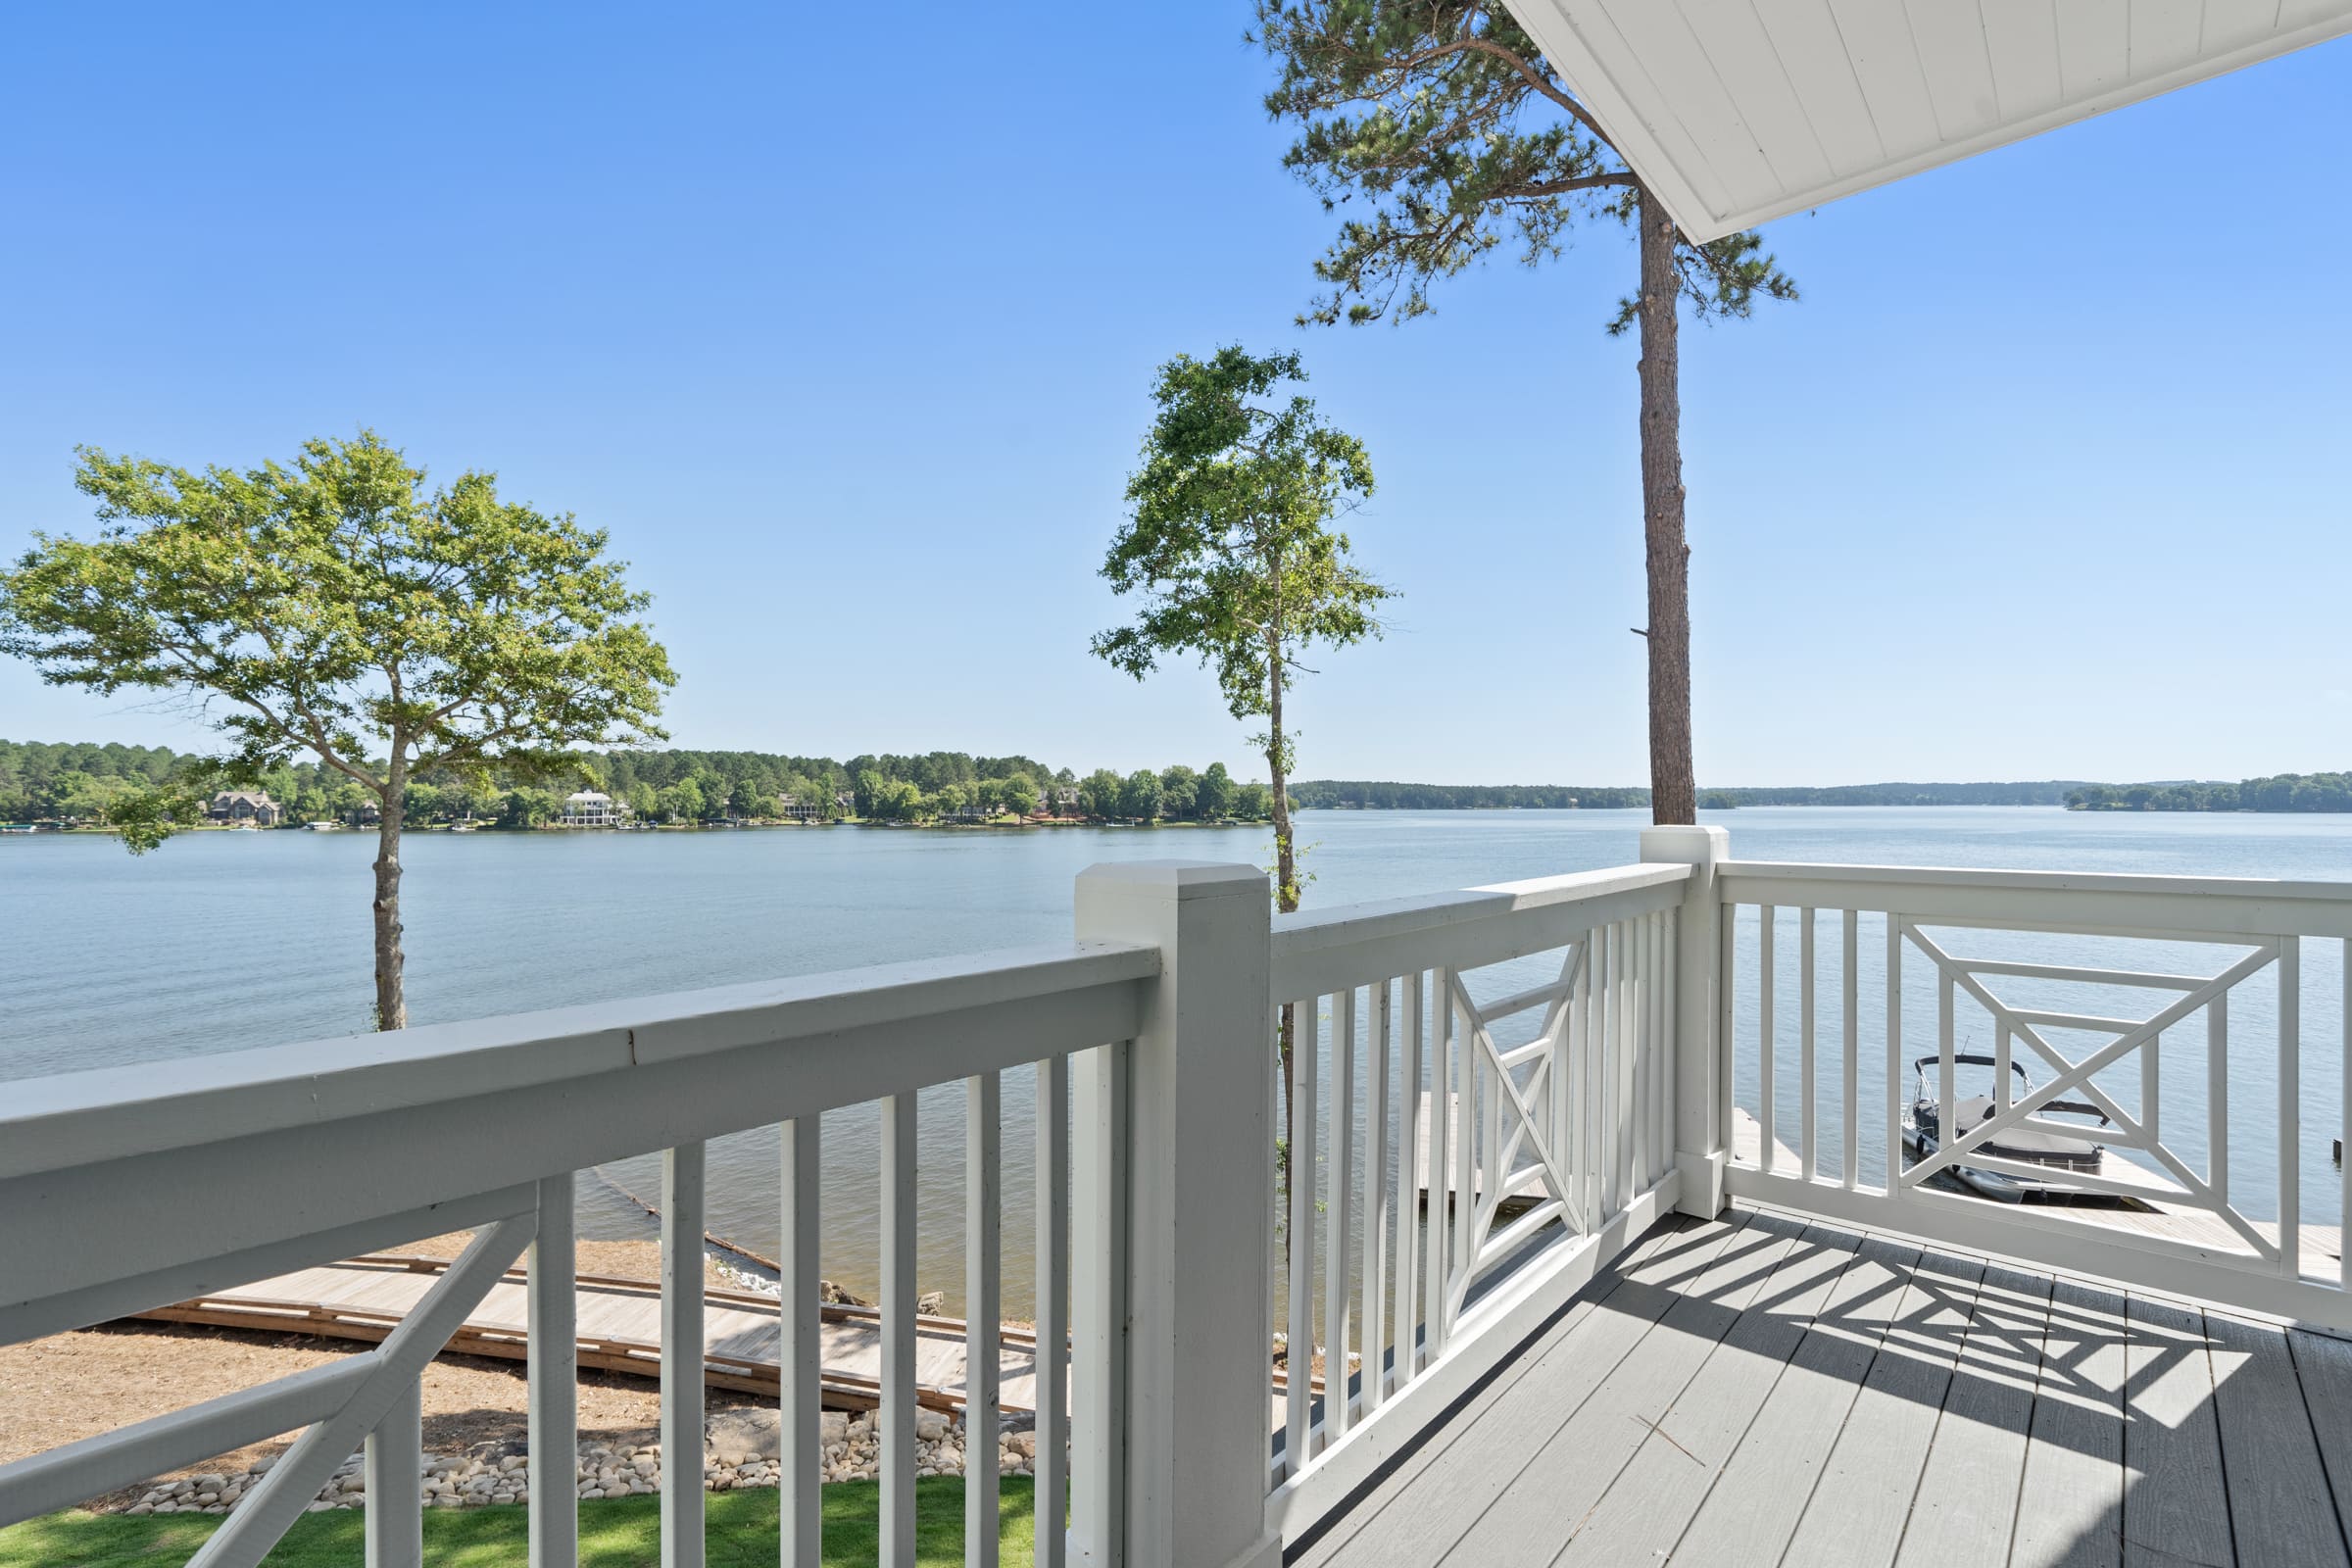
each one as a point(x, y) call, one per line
point(2077, 1075)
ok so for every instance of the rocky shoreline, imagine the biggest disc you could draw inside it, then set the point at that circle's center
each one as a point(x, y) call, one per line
point(740, 1450)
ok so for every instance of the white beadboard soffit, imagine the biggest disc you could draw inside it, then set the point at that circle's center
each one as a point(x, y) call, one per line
point(1738, 111)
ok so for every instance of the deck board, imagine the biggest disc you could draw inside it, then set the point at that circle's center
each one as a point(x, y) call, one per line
point(1402, 1479)
point(1859, 1505)
point(2174, 1509)
point(2279, 1509)
point(1791, 1392)
point(1753, 1509)
point(1484, 1457)
point(2323, 1368)
point(1964, 1508)
point(2070, 1511)
point(1653, 1500)
point(1567, 1477)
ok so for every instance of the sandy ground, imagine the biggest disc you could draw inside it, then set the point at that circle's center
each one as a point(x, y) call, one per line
point(74, 1386)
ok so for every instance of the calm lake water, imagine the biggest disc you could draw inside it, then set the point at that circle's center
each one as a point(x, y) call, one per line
point(225, 941)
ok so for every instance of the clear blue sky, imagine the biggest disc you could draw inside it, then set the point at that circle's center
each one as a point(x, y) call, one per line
point(845, 335)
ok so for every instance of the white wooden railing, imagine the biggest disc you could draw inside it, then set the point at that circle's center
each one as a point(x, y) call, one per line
point(1586, 1047)
point(2165, 1004)
point(130, 1189)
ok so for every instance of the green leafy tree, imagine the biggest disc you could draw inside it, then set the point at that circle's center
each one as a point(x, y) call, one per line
point(1441, 133)
point(1179, 794)
point(530, 807)
point(1140, 796)
point(1253, 801)
point(339, 609)
point(682, 802)
point(1213, 795)
point(645, 801)
point(1020, 794)
point(1228, 543)
point(868, 791)
point(1099, 794)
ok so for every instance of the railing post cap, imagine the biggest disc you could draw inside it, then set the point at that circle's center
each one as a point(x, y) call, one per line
point(1689, 843)
point(1177, 879)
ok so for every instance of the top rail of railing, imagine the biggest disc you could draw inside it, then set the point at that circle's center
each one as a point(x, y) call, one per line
point(835, 1039)
point(1330, 950)
point(125, 1187)
point(2198, 907)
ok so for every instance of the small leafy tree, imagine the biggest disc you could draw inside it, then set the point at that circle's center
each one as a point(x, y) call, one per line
point(1228, 543)
point(337, 607)
point(1444, 133)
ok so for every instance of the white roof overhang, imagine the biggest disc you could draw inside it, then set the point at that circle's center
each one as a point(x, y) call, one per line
point(1737, 110)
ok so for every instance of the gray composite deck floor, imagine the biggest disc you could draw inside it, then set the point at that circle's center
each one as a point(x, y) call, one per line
point(1757, 1390)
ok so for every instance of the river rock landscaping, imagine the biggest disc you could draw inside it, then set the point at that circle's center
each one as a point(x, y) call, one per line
point(740, 1450)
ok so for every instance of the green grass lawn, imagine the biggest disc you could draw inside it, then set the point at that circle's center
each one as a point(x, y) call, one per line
point(615, 1533)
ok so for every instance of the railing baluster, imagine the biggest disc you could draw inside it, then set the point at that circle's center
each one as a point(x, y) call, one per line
point(1052, 1466)
point(983, 1337)
point(1638, 989)
point(1572, 1135)
point(2290, 1106)
point(898, 1292)
point(393, 1462)
point(2151, 1089)
point(682, 1354)
point(1727, 1017)
point(552, 1375)
point(1437, 1194)
point(1670, 933)
point(1301, 1361)
point(1098, 1305)
point(1764, 1051)
point(1948, 1111)
point(1849, 1116)
point(1594, 1165)
point(1376, 1199)
point(1894, 1055)
point(1410, 1152)
point(799, 1353)
point(1339, 1216)
point(2217, 1099)
point(1623, 959)
point(1491, 1131)
point(1807, 1163)
point(1466, 1140)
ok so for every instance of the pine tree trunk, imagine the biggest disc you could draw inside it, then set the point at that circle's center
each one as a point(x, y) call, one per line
point(1673, 788)
point(391, 1007)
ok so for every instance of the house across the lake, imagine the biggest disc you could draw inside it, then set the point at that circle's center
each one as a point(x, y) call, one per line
point(253, 807)
point(592, 808)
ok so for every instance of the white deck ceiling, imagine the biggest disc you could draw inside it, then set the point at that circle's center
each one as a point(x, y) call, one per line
point(1738, 111)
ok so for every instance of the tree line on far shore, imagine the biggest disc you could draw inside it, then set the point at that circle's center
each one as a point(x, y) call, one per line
point(2280, 792)
point(45, 781)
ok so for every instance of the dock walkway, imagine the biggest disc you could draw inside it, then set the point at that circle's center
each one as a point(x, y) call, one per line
point(619, 1329)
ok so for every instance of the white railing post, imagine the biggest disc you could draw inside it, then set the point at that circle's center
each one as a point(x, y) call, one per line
point(552, 1373)
point(1201, 1175)
point(1701, 1144)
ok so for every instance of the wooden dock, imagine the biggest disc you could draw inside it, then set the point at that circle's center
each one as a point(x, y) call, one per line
point(619, 1329)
